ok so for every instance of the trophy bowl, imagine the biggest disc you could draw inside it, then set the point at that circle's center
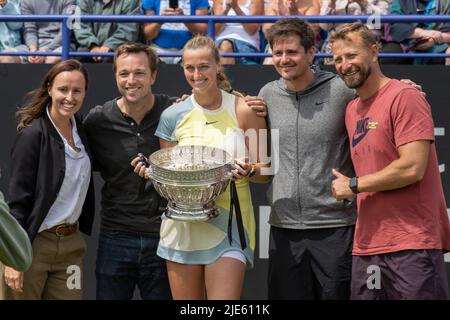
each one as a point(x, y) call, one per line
point(190, 177)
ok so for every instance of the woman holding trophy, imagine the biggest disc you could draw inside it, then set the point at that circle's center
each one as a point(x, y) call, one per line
point(211, 256)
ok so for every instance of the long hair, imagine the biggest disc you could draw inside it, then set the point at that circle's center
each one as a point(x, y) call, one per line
point(198, 42)
point(37, 100)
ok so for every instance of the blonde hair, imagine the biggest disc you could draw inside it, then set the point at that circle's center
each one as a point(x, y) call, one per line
point(198, 42)
point(367, 36)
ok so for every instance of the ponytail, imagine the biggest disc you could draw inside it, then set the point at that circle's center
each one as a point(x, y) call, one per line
point(225, 84)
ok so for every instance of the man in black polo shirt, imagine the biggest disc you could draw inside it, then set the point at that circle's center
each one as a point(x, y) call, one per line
point(130, 219)
point(130, 214)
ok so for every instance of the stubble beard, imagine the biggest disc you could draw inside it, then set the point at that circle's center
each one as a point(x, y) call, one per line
point(358, 79)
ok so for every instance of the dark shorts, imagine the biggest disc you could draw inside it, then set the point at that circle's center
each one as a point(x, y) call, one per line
point(407, 274)
point(310, 264)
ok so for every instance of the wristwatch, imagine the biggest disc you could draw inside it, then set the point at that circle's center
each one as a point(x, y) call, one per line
point(353, 185)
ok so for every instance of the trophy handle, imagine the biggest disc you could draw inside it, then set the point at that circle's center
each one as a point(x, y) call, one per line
point(149, 172)
point(228, 175)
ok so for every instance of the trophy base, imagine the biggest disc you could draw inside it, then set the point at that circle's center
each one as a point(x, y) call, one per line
point(191, 214)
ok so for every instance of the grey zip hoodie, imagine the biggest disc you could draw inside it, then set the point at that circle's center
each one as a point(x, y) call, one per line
point(312, 141)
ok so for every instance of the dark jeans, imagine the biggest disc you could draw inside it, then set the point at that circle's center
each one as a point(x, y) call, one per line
point(311, 264)
point(126, 260)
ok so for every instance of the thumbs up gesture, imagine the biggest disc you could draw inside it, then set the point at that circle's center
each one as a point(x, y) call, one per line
point(339, 186)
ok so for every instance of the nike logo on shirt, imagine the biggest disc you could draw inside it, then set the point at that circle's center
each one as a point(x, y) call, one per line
point(361, 131)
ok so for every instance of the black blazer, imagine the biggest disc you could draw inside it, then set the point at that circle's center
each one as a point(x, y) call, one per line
point(37, 173)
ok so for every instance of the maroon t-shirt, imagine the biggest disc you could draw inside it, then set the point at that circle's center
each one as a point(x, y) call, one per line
point(412, 217)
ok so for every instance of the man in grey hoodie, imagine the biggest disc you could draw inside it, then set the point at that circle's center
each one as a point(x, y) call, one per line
point(311, 233)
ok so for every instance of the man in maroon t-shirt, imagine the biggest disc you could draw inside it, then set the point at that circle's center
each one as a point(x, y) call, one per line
point(402, 227)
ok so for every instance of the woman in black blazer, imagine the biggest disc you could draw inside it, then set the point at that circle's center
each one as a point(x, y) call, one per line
point(51, 186)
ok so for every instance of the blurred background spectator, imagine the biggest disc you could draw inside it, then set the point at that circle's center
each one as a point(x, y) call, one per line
point(238, 37)
point(291, 8)
point(106, 36)
point(352, 7)
point(171, 37)
point(211, 5)
point(431, 37)
point(41, 36)
point(230, 37)
point(10, 32)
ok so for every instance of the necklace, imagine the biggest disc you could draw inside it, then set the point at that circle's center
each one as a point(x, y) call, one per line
point(66, 132)
point(72, 145)
point(67, 136)
point(70, 142)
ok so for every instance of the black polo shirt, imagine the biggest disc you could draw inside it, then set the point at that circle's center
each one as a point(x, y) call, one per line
point(128, 202)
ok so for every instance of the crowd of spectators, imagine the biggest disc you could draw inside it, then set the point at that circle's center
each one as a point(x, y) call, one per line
point(170, 37)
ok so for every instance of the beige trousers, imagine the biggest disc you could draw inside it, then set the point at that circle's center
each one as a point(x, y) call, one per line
point(55, 272)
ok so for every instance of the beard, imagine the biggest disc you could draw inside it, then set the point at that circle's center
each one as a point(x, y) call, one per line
point(357, 80)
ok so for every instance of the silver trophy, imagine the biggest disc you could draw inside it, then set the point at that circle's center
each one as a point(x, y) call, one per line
point(190, 178)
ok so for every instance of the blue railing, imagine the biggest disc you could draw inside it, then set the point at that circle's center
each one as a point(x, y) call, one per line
point(67, 21)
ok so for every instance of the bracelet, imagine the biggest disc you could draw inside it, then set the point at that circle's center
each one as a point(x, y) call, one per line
point(252, 171)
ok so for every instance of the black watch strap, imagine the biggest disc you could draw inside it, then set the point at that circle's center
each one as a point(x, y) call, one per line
point(353, 185)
